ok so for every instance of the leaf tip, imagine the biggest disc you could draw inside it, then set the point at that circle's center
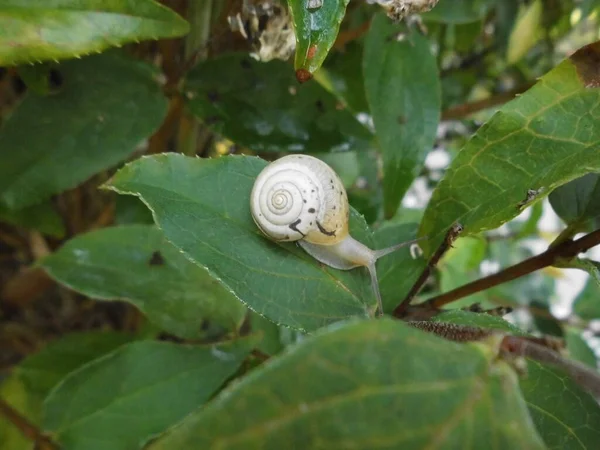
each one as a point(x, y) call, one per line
point(303, 75)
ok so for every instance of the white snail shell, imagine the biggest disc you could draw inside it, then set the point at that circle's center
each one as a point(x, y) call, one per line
point(300, 197)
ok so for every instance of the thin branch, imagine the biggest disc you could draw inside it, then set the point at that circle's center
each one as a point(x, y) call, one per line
point(451, 236)
point(566, 249)
point(584, 376)
point(466, 109)
point(28, 429)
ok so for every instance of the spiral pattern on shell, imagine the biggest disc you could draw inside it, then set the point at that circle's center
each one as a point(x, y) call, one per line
point(300, 197)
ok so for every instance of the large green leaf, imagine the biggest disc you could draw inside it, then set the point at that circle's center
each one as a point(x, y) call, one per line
point(36, 30)
point(261, 106)
point(578, 200)
point(107, 106)
point(458, 11)
point(535, 143)
point(366, 385)
point(43, 370)
point(203, 207)
point(135, 263)
point(403, 90)
point(316, 30)
point(123, 399)
point(565, 416)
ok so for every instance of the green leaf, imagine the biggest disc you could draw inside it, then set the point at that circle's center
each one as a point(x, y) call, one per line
point(122, 400)
point(343, 73)
point(215, 229)
point(14, 392)
point(398, 272)
point(371, 384)
point(528, 29)
point(43, 370)
point(478, 320)
point(316, 30)
point(458, 11)
point(42, 217)
point(578, 200)
point(107, 106)
point(37, 30)
point(565, 416)
point(403, 90)
point(587, 303)
point(135, 263)
point(270, 342)
point(535, 143)
point(459, 266)
point(578, 348)
point(261, 106)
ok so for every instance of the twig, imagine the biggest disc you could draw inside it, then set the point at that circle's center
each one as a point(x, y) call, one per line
point(466, 109)
point(27, 428)
point(584, 376)
point(451, 236)
point(566, 249)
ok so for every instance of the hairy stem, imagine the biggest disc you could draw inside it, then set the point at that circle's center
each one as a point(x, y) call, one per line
point(584, 376)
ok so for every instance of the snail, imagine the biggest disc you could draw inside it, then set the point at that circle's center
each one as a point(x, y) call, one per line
point(300, 198)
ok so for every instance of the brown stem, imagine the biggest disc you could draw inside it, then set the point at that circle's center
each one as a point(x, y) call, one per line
point(27, 428)
point(566, 249)
point(466, 109)
point(451, 236)
point(584, 376)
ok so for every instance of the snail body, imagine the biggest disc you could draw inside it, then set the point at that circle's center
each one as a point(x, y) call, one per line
point(300, 198)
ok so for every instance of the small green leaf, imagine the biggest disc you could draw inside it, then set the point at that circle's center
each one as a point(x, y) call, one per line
point(261, 106)
point(478, 320)
point(535, 143)
point(42, 217)
point(565, 416)
point(43, 370)
point(587, 303)
point(106, 107)
point(579, 349)
point(135, 263)
point(458, 11)
point(403, 90)
point(38, 30)
point(203, 207)
point(366, 385)
point(578, 200)
point(316, 30)
point(122, 400)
